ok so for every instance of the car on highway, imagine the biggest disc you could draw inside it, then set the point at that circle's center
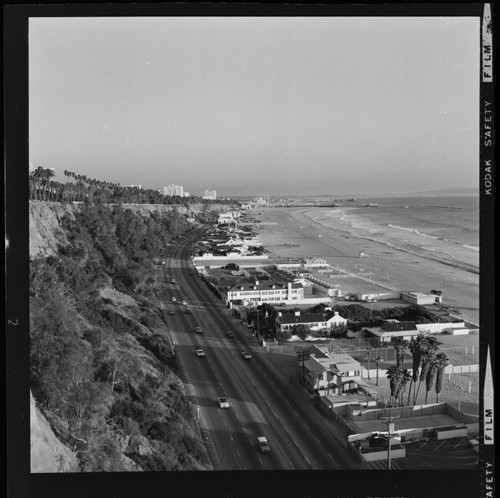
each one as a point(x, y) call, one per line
point(223, 402)
point(263, 444)
point(188, 311)
point(246, 355)
point(200, 353)
point(184, 302)
point(174, 299)
point(198, 330)
point(230, 334)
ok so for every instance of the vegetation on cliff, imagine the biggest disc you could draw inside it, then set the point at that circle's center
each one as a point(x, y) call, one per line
point(103, 371)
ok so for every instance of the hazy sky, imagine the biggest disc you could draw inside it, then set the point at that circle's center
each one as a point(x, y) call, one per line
point(255, 105)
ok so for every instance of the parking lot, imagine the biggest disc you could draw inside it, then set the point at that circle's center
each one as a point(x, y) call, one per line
point(447, 454)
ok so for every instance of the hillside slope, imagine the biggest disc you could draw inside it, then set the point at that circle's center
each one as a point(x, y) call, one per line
point(102, 364)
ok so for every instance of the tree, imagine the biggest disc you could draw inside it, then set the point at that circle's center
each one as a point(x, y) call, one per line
point(301, 330)
point(283, 335)
point(394, 375)
point(430, 376)
point(428, 346)
point(441, 364)
point(427, 360)
point(405, 377)
point(400, 349)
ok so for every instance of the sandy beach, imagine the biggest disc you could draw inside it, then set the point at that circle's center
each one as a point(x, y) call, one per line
point(394, 261)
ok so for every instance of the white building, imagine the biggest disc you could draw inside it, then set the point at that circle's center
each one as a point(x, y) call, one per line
point(173, 190)
point(263, 292)
point(210, 195)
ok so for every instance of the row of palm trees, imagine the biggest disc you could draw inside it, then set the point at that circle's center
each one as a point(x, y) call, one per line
point(79, 188)
point(428, 365)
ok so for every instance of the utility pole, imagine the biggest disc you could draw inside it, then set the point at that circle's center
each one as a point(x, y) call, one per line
point(390, 431)
point(377, 361)
point(368, 354)
point(303, 356)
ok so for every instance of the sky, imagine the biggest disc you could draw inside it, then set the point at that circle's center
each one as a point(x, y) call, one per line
point(258, 105)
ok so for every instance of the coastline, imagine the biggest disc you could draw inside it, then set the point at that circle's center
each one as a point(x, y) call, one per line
point(345, 239)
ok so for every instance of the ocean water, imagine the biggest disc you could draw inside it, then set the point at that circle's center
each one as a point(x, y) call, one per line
point(445, 229)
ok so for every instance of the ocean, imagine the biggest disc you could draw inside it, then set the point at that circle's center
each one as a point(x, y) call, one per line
point(445, 229)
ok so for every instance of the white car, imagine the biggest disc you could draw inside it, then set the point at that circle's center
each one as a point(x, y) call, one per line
point(223, 402)
point(200, 353)
point(246, 355)
point(263, 444)
point(184, 303)
point(174, 299)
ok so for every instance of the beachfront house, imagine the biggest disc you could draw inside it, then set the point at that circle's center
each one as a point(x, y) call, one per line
point(314, 321)
point(267, 291)
point(332, 373)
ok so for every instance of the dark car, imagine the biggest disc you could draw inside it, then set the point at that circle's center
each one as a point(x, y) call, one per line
point(230, 334)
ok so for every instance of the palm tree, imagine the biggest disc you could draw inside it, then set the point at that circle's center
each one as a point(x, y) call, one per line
point(416, 353)
point(429, 346)
point(431, 376)
point(394, 375)
point(441, 364)
point(400, 348)
point(405, 376)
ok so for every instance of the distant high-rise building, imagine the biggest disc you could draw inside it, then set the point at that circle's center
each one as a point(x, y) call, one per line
point(210, 194)
point(172, 190)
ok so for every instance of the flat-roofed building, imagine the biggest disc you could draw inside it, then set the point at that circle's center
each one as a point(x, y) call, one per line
point(173, 190)
point(267, 291)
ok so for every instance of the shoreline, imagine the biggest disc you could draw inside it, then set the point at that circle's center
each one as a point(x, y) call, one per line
point(356, 249)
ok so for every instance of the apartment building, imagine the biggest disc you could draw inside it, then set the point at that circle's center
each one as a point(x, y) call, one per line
point(173, 190)
point(258, 292)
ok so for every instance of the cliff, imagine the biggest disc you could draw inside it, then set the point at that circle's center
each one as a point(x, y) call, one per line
point(122, 337)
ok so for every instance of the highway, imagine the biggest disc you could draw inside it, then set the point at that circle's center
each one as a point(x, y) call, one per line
point(262, 404)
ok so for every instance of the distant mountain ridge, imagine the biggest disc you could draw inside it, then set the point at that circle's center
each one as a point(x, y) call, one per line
point(448, 191)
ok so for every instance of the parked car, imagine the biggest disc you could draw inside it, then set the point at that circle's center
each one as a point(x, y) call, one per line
point(200, 353)
point(230, 334)
point(171, 312)
point(188, 311)
point(174, 299)
point(172, 280)
point(246, 355)
point(263, 444)
point(184, 303)
point(198, 330)
point(223, 402)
